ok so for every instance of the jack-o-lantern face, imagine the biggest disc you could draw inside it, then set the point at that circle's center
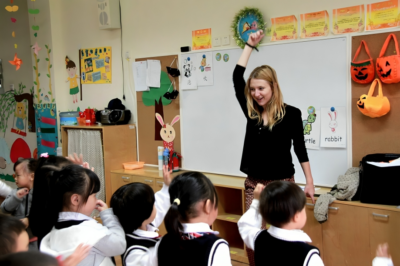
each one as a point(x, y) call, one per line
point(361, 101)
point(360, 75)
point(384, 71)
point(362, 72)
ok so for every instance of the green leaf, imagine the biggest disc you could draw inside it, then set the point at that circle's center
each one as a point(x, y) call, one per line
point(40, 101)
point(51, 66)
point(35, 95)
point(35, 83)
point(40, 90)
point(38, 60)
point(50, 92)
point(34, 67)
point(49, 50)
point(48, 75)
point(53, 100)
point(47, 59)
point(46, 46)
point(38, 74)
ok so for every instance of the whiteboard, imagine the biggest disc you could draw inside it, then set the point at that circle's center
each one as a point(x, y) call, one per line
point(213, 124)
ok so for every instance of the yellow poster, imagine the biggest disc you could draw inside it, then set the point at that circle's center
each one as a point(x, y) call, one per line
point(284, 28)
point(383, 15)
point(314, 24)
point(96, 65)
point(348, 19)
point(201, 39)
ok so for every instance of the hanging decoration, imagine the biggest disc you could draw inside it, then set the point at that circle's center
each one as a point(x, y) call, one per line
point(246, 21)
point(49, 65)
point(16, 62)
point(36, 49)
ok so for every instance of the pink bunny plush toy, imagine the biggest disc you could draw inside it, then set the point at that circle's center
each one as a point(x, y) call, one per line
point(167, 132)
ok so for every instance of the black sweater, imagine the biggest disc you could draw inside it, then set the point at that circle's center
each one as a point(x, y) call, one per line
point(266, 154)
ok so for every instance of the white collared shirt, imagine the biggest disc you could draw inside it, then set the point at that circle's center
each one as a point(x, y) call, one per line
point(381, 261)
point(249, 228)
point(75, 216)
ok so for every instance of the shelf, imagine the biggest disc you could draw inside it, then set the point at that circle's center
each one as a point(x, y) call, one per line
point(230, 200)
point(233, 218)
point(238, 254)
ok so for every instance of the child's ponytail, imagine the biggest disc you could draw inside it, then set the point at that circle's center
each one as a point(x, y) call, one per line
point(171, 220)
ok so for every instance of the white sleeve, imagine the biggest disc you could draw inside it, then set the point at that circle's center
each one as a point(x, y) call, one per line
point(381, 261)
point(162, 205)
point(152, 259)
point(5, 190)
point(222, 256)
point(250, 224)
point(137, 256)
point(315, 259)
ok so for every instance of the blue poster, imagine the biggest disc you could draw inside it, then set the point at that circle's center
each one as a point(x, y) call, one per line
point(46, 128)
point(96, 76)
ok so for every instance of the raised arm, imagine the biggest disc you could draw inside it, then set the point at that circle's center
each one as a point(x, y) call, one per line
point(253, 40)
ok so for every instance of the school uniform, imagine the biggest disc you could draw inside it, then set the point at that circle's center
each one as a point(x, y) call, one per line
point(139, 242)
point(74, 228)
point(381, 261)
point(200, 246)
point(276, 246)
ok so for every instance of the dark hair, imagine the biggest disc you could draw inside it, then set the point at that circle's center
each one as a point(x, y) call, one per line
point(280, 201)
point(190, 188)
point(56, 180)
point(31, 258)
point(30, 164)
point(133, 204)
point(69, 63)
point(10, 229)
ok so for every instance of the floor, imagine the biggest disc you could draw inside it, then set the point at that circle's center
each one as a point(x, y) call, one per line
point(234, 263)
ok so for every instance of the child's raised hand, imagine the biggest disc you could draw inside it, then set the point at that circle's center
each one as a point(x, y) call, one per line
point(257, 191)
point(22, 192)
point(167, 175)
point(86, 165)
point(74, 158)
point(79, 254)
point(255, 38)
point(383, 251)
point(101, 205)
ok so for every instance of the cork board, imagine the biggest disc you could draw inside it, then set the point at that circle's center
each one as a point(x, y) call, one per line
point(147, 120)
point(375, 135)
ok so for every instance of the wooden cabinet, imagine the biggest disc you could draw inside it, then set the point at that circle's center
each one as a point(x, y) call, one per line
point(313, 228)
point(119, 180)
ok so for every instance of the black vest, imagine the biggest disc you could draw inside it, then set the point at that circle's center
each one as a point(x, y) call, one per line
point(272, 251)
point(194, 252)
point(137, 242)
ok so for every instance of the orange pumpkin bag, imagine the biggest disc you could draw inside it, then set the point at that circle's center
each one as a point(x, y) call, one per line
point(374, 106)
point(388, 66)
point(362, 72)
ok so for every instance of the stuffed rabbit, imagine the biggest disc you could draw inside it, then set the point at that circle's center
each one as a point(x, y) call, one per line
point(333, 123)
point(167, 132)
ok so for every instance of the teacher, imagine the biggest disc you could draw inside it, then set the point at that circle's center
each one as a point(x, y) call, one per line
point(272, 125)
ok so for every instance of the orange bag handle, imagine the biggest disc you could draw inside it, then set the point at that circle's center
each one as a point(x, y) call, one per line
point(372, 88)
point(359, 50)
point(385, 45)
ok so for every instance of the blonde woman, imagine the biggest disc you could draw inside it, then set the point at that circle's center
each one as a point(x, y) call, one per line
point(271, 127)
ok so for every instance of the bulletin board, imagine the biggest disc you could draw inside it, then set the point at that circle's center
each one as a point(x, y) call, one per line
point(147, 120)
point(96, 65)
point(375, 135)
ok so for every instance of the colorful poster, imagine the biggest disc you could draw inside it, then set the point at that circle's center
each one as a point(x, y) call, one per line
point(284, 28)
point(314, 24)
point(188, 76)
point(383, 15)
point(201, 39)
point(46, 130)
point(204, 69)
point(348, 19)
point(311, 127)
point(96, 66)
point(333, 127)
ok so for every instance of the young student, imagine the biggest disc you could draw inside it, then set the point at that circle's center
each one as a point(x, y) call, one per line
point(190, 241)
point(140, 212)
point(13, 236)
point(282, 205)
point(71, 198)
point(383, 257)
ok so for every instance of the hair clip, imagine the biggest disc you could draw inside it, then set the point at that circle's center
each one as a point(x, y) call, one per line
point(177, 201)
point(44, 155)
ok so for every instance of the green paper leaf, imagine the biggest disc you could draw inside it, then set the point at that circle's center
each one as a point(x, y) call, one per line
point(51, 66)
point(46, 46)
point(53, 100)
point(34, 67)
point(35, 28)
point(38, 60)
point(35, 83)
point(47, 59)
point(35, 34)
point(40, 90)
point(49, 50)
point(33, 11)
point(48, 75)
point(40, 101)
point(38, 74)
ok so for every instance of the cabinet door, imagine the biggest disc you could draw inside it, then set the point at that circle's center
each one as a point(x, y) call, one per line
point(384, 227)
point(147, 180)
point(158, 184)
point(346, 236)
point(118, 180)
point(313, 228)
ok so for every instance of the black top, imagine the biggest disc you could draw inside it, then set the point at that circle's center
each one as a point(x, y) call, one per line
point(194, 252)
point(266, 154)
point(136, 242)
point(277, 251)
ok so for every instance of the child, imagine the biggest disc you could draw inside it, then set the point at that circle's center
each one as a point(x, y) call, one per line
point(190, 241)
point(140, 212)
point(282, 205)
point(13, 236)
point(71, 198)
point(383, 257)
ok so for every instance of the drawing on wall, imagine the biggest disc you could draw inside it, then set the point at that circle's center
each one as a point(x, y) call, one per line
point(72, 79)
point(188, 81)
point(4, 153)
point(333, 123)
point(47, 138)
point(19, 149)
point(311, 127)
point(333, 127)
point(204, 69)
point(19, 117)
point(96, 65)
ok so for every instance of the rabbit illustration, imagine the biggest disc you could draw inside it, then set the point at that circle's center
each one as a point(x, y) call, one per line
point(167, 132)
point(333, 123)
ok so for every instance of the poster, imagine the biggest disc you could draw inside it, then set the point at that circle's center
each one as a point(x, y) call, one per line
point(188, 77)
point(383, 15)
point(311, 127)
point(348, 19)
point(204, 69)
point(284, 28)
point(314, 24)
point(333, 127)
point(46, 123)
point(201, 39)
point(96, 65)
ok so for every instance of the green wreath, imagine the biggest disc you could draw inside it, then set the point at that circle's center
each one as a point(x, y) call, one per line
point(241, 14)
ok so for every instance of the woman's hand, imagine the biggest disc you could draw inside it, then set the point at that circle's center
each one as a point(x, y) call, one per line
point(310, 190)
point(255, 38)
point(79, 254)
point(257, 191)
point(101, 205)
point(167, 175)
